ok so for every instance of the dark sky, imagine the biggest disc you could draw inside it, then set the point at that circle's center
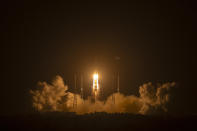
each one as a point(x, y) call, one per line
point(156, 41)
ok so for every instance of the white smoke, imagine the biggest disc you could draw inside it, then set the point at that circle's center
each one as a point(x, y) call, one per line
point(48, 97)
point(154, 98)
point(55, 97)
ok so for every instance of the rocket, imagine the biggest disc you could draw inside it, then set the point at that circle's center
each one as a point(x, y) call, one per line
point(95, 87)
point(95, 82)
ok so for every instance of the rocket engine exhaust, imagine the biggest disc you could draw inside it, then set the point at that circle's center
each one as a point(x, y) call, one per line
point(95, 87)
point(56, 97)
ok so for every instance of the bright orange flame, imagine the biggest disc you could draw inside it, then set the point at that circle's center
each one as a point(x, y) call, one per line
point(95, 76)
point(95, 81)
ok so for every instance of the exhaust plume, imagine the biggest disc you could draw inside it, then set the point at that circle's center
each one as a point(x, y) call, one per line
point(55, 97)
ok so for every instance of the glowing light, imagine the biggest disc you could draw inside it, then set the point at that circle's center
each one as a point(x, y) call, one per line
point(95, 76)
point(95, 82)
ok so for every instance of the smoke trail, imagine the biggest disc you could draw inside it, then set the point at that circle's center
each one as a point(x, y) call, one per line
point(55, 97)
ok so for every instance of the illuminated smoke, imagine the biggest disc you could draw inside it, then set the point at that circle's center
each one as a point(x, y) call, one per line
point(49, 96)
point(154, 98)
point(55, 97)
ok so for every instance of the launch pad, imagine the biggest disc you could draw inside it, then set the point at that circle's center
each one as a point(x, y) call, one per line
point(96, 85)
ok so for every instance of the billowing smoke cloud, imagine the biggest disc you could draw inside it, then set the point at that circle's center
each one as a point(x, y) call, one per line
point(154, 99)
point(49, 97)
point(55, 97)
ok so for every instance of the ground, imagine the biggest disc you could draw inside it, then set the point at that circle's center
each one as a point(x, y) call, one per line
point(97, 121)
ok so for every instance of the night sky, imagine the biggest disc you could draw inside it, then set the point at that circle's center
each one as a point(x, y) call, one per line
point(155, 41)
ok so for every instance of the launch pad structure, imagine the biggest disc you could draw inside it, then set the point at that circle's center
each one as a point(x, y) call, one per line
point(75, 91)
point(96, 87)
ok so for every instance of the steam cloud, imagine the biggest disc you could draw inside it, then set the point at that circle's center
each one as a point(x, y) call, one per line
point(55, 97)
